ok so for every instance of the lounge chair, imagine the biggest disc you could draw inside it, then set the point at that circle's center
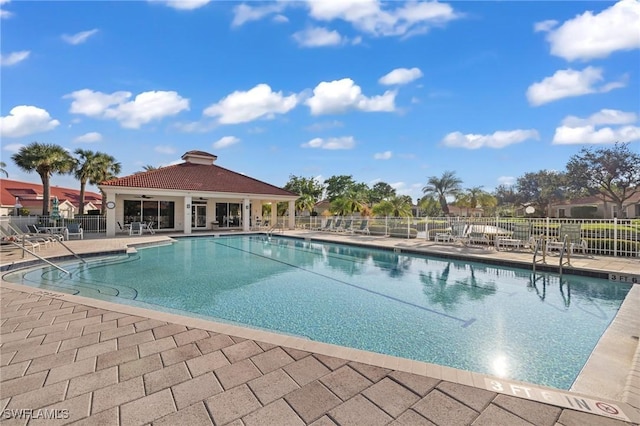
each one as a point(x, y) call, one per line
point(364, 227)
point(9, 234)
point(347, 227)
point(573, 232)
point(136, 228)
point(73, 230)
point(327, 226)
point(338, 226)
point(36, 232)
point(521, 237)
point(44, 239)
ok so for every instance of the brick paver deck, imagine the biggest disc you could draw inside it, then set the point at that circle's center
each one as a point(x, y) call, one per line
point(104, 367)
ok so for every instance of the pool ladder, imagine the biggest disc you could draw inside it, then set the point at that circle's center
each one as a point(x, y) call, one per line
point(541, 245)
point(275, 227)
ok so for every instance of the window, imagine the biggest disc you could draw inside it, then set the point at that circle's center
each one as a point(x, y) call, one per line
point(162, 213)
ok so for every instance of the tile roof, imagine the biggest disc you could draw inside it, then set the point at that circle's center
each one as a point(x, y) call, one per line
point(31, 194)
point(188, 176)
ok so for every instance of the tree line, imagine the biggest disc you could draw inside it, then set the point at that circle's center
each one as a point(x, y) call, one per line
point(613, 174)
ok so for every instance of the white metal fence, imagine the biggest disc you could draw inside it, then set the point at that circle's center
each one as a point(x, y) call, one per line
point(609, 237)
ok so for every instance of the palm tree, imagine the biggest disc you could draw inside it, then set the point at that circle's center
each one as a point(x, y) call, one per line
point(447, 185)
point(149, 168)
point(305, 202)
point(396, 206)
point(106, 168)
point(45, 159)
point(353, 200)
point(84, 168)
point(3, 170)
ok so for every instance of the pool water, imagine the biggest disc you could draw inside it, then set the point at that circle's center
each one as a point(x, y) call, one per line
point(495, 320)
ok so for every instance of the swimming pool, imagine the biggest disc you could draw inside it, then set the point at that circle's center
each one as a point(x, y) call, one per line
point(472, 316)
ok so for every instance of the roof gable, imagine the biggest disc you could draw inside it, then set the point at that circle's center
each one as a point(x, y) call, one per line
point(30, 194)
point(189, 176)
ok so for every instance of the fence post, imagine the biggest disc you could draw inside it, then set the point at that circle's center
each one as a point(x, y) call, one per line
point(615, 237)
point(547, 231)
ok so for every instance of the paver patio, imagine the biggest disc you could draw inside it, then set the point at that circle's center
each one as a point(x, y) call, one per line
point(102, 364)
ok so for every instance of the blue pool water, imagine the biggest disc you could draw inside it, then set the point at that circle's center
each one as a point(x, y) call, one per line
point(472, 316)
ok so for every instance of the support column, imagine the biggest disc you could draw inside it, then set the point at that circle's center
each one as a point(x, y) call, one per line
point(246, 214)
point(274, 213)
point(187, 214)
point(292, 214)
point(111, 216)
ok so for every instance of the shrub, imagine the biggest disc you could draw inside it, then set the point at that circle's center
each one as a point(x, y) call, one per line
point(585, 212)
point(402, 232)
point(605, 246)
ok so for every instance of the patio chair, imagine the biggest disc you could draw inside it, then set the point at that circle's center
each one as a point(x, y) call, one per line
point(364, 228)
point(459, 232)
point(573, 232)
point(521, 237)
point(149, 227)
point(73, 230)
point(124, 228)
point(477, 234)
point(136, 228)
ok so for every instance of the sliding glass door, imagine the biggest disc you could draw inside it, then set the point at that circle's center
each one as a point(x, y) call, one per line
point(229, 215)
point(161, 213)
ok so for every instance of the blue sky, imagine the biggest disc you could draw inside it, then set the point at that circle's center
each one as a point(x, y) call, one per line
point(384, 91)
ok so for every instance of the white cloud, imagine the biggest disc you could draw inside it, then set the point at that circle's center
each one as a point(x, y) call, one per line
point(182, 4)
point(590, 36)
point(602, 117)
point(281, 19)
point(383, 155)
point(400, 76)
point(620, 128)
point(339, 96)
point(566, 135)
point(13, 58)
point(244, 13)
point(90, 137)
point(164, 149)
point(13, 147)
point(544, 26)
point(80, 37)
point(24, 120)
point(499, 139)
point(569, 83)
point(5, 14)
point(242, 107)
point(317, 37)
point(506, 180)
point(345, 142)
point(144, 108)
point(225, 142)
point(369, 17)
point(317, 127)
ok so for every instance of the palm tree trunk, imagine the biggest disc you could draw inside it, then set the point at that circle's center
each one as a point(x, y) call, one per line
point(45, 194)
point(83, 183)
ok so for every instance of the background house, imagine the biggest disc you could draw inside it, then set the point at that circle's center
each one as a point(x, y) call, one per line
point(30, 197)
point(595, 207)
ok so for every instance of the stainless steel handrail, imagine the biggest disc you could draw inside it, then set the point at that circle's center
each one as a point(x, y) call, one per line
point(40, 257)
